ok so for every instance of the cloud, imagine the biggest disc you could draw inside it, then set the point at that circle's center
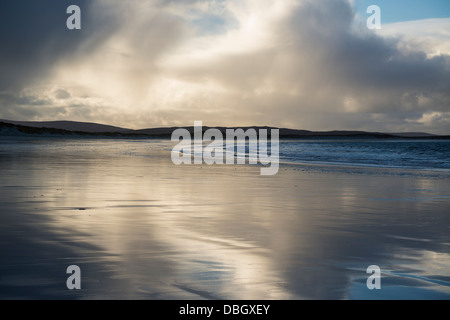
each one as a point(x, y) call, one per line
point(33, 36)
point(301, 64)
point(62, 94)
point(430, 35)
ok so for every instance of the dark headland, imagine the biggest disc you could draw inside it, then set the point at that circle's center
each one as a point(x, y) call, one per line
point(88, 129)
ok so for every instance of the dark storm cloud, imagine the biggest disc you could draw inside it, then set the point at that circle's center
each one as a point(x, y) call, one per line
point(34, 36)
point(20, 107)
point(62, 94)
point(37, 106)
point(23, 99)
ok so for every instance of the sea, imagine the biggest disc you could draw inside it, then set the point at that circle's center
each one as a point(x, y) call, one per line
point(388, 153)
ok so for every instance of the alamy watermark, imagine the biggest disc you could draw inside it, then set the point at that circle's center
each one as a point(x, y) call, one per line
point(374, 281)
point(74, 280)
point(74, 20)
point(237, 147)
point(374, 21)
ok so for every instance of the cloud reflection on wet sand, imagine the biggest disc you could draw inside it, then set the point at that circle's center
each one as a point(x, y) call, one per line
point(141, 227)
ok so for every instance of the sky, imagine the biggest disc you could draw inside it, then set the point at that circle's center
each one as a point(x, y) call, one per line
point(303, 64)
point(406, 10)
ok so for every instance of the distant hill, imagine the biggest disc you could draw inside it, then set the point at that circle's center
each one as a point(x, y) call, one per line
point(284, 133)
point(10, 129)
point(413, 134)
point(67, 128)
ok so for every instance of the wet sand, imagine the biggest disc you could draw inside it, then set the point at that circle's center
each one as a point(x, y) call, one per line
point(140, 227)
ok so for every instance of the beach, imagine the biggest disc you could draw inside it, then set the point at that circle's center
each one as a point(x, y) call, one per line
point(140, 227)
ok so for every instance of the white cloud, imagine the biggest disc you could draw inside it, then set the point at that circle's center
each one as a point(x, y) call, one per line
point(430, 35)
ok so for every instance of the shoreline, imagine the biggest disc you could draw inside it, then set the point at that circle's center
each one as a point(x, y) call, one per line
point(355, 167)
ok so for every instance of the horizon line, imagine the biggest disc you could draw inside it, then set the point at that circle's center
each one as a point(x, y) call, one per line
point(105, 128)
